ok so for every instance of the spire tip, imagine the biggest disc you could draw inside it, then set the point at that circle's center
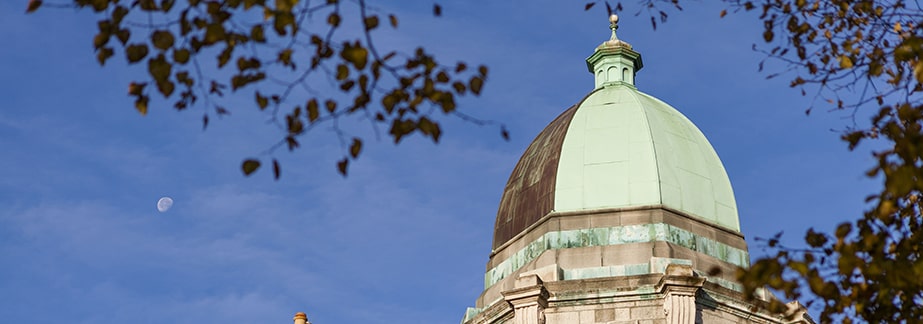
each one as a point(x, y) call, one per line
point(613, 25)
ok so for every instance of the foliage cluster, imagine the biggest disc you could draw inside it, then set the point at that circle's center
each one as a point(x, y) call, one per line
point(201, 51)
point(864, 57)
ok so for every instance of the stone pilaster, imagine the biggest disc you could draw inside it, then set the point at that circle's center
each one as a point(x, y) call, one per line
point(679, 286)
point(528, 300)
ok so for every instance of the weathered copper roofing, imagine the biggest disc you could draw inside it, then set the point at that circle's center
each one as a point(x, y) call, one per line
point(617, 148)
point(529, 193)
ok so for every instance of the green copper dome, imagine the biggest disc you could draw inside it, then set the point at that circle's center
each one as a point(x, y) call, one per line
point(617, 148)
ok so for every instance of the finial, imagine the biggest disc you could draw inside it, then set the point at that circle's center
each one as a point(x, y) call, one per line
point(614, 25)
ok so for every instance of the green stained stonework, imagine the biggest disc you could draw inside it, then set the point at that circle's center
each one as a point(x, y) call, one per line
point(608, 236)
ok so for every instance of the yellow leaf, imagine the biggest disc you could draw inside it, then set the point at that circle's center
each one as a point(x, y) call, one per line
point(357, 55)
point(331, 105)
point(918, 71)
point(285, 56)
point(845, 62)
point(135, 89)
point(141, 105)
point(371, 22)
point(286, 5)
point(313, 112)
point(342, 72)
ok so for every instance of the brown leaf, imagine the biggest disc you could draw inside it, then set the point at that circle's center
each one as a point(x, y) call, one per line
point(136, 52)
point(475, 84)
point(355, 148)
point(342, 165)
point(257, 34)
point(104, 54)
point(162, 39)
point(261, 101)
point(159, 68)
point(181, 55)
point(333, 19)
point(276, 170)
point(249, 166)
point(33, 6)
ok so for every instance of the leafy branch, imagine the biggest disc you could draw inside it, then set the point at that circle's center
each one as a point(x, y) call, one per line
point(206, 52)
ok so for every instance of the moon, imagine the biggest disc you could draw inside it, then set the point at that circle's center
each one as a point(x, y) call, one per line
point(164, 204)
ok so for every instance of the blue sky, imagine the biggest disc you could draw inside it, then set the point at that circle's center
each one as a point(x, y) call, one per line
point(403, 239)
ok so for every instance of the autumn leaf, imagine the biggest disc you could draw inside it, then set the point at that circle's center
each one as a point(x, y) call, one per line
point(249, 166)
point(162, 39)
point(355, 148)
point(342, 165)
point(276, 169)
point(33, 6)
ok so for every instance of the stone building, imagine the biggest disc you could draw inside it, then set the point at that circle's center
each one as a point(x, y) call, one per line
point(619, 211)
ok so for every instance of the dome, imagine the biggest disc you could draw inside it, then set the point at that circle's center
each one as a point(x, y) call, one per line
point(616, 148)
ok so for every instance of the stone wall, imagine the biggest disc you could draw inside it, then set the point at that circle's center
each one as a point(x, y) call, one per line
point(676, 296)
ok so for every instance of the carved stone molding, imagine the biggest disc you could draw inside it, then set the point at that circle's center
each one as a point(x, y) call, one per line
point(679, 286)
point(528, 300)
